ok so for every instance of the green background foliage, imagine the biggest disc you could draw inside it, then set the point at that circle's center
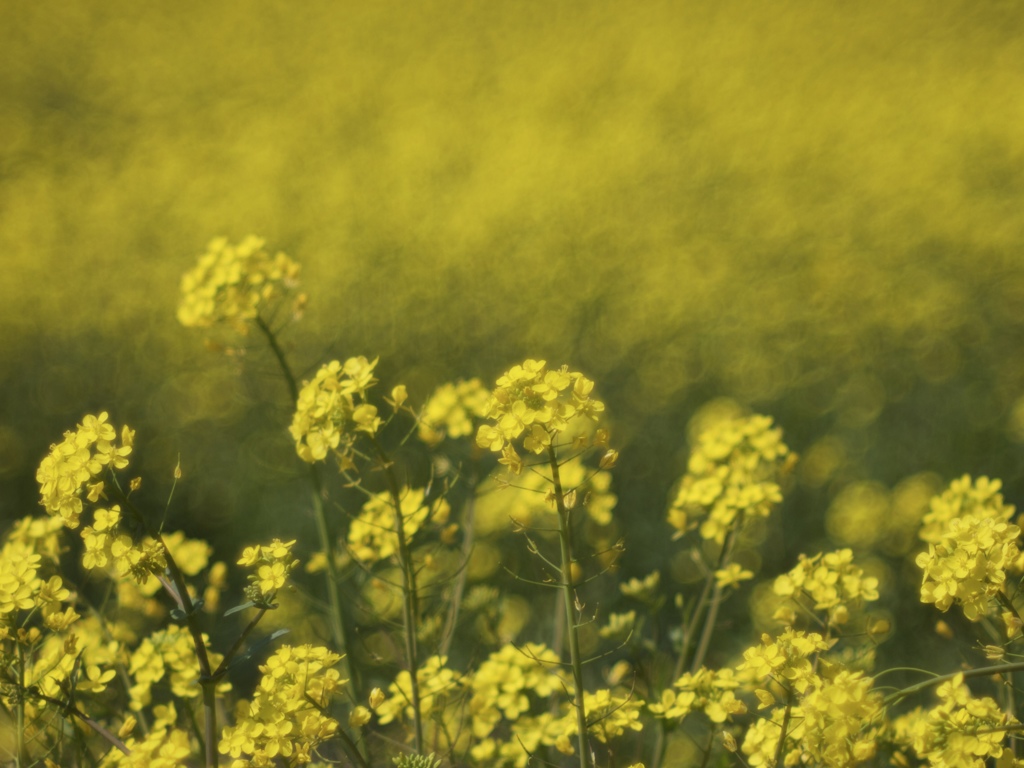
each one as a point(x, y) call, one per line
point(813, 208)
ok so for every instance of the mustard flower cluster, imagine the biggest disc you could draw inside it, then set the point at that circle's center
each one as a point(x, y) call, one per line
point(437, 685)
point(609, 715)
point(19, 584)
point(502, 685)
point(167, 653)
point(272, 564)
point(735, 469)
point(372, 535)
point(451, 409)
point(707, 691)
point(536, 403)
point(286, 718)
point(26, 593)
point(231, 284)
point(513, 683)
point(785, 659)
point(834, 722)
point(163, 747)
point(831, 581)
point(965, 497)
point(971, 545)
point(331, 411)
point(107, 544)
point(961, 732)
point(74, 466)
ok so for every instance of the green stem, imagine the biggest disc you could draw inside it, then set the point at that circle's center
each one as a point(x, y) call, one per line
point(410, 603)
point(572, 628)
point(336, 617)
point(460, 582)
point(998, 669)
point(716, 598)
point(785, 727)
point(236, 646)
point(21, 758)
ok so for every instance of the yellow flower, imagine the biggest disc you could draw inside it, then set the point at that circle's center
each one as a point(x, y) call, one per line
point(732, 575)
point(530, 398)
point(736, 468)
point(373, 535)
point(231, 284)
point(331, 410)
point(451, 410)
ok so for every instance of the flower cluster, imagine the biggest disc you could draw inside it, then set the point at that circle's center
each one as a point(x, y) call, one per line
point(536, 403)
point(450, 411)
point(609, 715)
point(272, 563)
point(74, 465)
point(167, 653)
point(705, 690)
point(785, 659)
point(331, 411)
point(163, 747)
point(965, 497)
point(231, 284)
point(735, 468)
point(107, 544)
point(373, 536)
point(831, 581)
point(834, 722)
point(286, 718)
point(968, 565)
point(961, 732)
point(503, 681)
point(437, 684)
point(971, 544)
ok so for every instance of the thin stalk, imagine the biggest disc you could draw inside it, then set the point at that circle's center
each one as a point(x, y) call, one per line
point(785, 726)
point(21, 758)
point(711, 593)
point(410, 603)
point(998, 669)
point(336, 617)
point(716, 598)
point(572, 628)
point(460, 582)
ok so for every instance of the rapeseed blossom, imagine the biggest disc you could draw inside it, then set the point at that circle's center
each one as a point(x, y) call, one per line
point(73, 466)
point(971, 545)
point(536, 403)
point(965, 497)
point(332, 410)
point(708, 691)
point(170, 654)
point(960, 732)
point(437, 685)
point(736, 468)
point(372, 535)
point(451, 410)
point(232, 284)
point(272, 564)
point(287, 717)
point(831, 581)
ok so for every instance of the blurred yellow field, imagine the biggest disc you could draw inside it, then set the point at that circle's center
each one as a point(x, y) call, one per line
point(707, 210)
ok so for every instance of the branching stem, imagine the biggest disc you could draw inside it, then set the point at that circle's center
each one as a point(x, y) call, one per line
point(572, 628)
point(410, 603)
point(335, 616)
